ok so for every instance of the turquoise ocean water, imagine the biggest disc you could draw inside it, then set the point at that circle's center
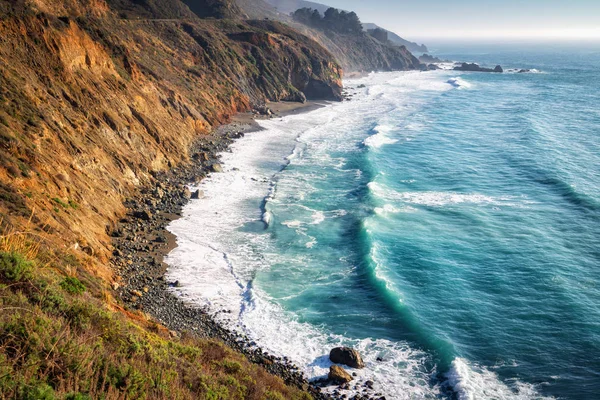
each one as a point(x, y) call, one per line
point(447, 224)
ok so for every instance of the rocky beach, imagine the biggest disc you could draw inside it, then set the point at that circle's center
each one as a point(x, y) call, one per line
point(141, 241)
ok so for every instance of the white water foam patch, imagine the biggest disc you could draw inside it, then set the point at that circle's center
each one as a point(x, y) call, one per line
point(401, 93)
point(209, 273)
point(381, 136)
point(389, 209)
point(459, 83)
point(400, 372)
point(380, 268)
point(378, 140)
point(438, 199)
point(472, 382)
point(523, 71)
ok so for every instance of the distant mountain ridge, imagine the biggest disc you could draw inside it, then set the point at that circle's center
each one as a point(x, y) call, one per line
point(289, 6)
point(394, 38)
point(355, 52)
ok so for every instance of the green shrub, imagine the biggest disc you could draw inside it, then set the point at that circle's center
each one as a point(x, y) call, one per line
point(14, 267)
point(77, 396)
point(39, 391)
point(231, 367)
point(60, 202)
point(51, 301)
point(273, 396)
point(72, 285)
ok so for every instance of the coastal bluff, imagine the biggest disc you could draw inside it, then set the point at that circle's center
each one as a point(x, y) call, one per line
point(102, 103)
point(98, 99)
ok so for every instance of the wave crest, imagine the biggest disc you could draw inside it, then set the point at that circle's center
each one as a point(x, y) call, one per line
point(471, 382)
point(459, 83)
point(380, 138)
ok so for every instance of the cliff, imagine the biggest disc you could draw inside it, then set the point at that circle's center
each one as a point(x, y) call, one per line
point(357, 51)
point(97, 97)
point(362, 52)
point(94, 104)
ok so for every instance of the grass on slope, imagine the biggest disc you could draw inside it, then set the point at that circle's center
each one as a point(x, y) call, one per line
point(60, 340)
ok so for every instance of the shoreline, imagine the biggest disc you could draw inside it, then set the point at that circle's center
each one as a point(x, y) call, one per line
point(141, 242)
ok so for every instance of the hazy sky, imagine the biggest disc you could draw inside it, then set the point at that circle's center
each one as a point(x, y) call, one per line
point(415, 19)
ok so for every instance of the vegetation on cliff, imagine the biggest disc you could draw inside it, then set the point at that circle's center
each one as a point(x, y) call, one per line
point(62, 336)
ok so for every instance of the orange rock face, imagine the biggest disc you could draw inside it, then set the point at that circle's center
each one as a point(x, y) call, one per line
point(92, 103)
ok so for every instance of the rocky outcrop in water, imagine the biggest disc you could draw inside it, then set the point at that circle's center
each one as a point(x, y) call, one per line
point(472, 67)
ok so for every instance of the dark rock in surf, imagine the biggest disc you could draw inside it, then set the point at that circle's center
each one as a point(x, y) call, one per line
point(472, 67)
point(346, 356)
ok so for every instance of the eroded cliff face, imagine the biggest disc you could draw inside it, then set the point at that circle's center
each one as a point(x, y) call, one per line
point(94, 102)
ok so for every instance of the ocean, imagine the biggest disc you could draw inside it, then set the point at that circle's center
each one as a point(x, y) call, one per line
point(446, 224)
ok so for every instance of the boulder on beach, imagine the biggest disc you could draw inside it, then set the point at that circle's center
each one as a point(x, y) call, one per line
point(198, 194)
point(144, 215)
point(216, 168)
point(338, 374)
point(346, 356)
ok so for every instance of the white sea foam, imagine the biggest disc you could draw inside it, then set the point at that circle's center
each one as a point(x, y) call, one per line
point(459, 83)
point(378, 140)
point(437, 199)
point(381, 136)
point(399, 373)
point(472, 382)
point(292, 224)
point(387, 209)
point(318, 217)
point(523, 71)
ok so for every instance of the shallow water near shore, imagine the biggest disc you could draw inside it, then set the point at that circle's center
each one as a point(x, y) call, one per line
point(446, 224)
